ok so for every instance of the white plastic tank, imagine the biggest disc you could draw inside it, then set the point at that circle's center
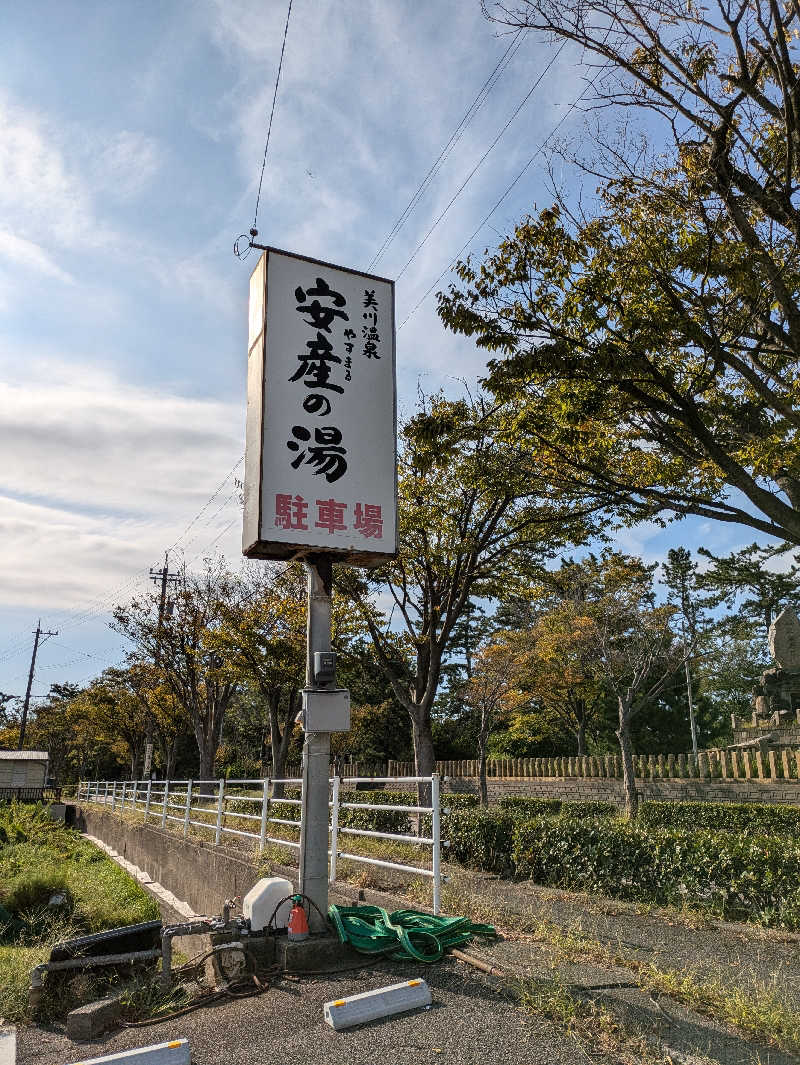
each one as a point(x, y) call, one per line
point(260, 901)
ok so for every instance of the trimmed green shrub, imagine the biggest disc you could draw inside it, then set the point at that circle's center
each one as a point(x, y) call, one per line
point(722, 816)
point(528, 806)
point(480, 839)
point(588, 808)
point(525, 806)
point(376, 820)
point(754, 878)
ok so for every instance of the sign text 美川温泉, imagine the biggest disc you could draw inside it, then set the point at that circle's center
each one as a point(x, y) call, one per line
point(320, 468)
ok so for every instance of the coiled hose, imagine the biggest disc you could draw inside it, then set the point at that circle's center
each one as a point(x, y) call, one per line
point(403, 935)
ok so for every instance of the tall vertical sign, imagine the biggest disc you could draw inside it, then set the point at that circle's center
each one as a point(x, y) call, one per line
point(320, 474)
point(321, 413)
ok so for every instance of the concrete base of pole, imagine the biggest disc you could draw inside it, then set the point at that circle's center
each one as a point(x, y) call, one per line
point(316, 953)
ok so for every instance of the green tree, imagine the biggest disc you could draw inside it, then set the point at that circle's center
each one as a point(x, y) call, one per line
point(110, 711)
point(742, 582)
point(190, 664)
point(680, 576)
point(492, 692)
point(654, 341)
point(466, 506)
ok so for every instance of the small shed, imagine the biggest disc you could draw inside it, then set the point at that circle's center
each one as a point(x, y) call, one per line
point(22, 770)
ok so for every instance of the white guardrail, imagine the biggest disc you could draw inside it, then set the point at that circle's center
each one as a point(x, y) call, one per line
point(178, 800)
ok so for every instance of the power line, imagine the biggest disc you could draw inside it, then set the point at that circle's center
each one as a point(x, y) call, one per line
point(209, 501)
point(482, 159)
point(505, 195)
point(459, 131)
point(254, 230)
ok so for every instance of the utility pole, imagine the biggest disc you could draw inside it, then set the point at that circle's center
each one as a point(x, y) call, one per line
point(40, 632)
point(317, 746)
point(166, 578)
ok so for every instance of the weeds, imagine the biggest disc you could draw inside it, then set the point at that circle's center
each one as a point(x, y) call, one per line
point(591, 1025)
point(40, 858)
point(759, 1010)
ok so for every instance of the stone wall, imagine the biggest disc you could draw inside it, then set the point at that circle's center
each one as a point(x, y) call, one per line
point(610, 790)
point(782, 735)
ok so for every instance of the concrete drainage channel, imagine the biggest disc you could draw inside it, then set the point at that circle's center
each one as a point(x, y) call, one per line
point(242, 955)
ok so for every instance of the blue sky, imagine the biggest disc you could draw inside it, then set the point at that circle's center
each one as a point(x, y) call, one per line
point(131, 138)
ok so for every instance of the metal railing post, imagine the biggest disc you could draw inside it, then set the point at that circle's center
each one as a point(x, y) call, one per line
point(114, 798)
point(105, 796)
point(124, 790)
point(188, 809)
point(135, 794)
point(220, 807)
point(164, 799)
point(147, 800)
point(334, 828)
point(264, 814)
point(437, 844)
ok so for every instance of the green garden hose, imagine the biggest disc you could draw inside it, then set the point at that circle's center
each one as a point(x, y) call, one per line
point(403, 934)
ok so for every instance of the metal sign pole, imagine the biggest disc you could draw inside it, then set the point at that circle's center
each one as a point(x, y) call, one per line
point(316, 750)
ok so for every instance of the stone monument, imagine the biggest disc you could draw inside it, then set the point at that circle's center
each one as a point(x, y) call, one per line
point(777, 694)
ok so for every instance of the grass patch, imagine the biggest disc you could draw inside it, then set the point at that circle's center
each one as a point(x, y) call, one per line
point(592, 1026)
point(38, 858)
point(758, 1011)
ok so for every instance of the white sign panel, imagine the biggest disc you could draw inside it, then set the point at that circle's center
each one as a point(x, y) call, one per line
point(320, 466)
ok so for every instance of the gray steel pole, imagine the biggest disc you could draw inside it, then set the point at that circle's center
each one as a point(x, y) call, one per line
point(316, 751)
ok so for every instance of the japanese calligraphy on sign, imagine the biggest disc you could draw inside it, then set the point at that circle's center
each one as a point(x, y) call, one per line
point(320, 469)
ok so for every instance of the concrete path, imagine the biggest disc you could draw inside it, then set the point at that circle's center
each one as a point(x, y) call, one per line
point(746, 956)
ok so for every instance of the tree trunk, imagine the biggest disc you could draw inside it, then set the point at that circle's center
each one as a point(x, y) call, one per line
point(170, 759)
point(626, 750)
point(280, 739)
point(482, 785)
point(207, 751)
point(424, 755)
point(581, 734)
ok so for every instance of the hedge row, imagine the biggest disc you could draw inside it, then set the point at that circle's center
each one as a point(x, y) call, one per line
point(750, 877)
point(758, 818)
point(376, 820)
point(529, 807)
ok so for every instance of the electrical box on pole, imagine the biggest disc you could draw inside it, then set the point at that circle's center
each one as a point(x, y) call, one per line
point(320, 479)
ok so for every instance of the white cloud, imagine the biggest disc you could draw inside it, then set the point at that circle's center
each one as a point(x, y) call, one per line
point(100, 477)
point(38, 191)
point(27, 254)
point(126, 165)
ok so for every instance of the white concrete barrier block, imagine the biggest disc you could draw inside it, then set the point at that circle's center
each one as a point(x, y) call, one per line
point(373, 1005)
point(175, 1052)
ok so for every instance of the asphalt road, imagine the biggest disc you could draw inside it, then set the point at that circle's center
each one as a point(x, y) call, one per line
point(471, 1022)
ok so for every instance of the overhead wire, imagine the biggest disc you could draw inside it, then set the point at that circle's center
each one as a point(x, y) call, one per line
point(482, 159)
point(208, 503)
point(471, 112)
point(78, 616)
point(454, 259)
point(254, 232)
